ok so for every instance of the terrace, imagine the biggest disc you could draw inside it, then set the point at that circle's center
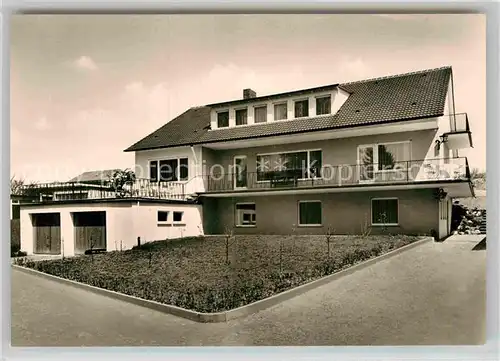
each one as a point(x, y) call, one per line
point(73, 191)
point(338, 176)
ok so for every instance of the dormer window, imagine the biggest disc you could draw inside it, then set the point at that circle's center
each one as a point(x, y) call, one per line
point(280, 111)
point(302, 108)
point(223, 119)
point(260, 114)
point(323, 105)
point(241, 116)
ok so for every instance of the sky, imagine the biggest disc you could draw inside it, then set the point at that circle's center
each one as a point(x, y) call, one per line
point(85, 87)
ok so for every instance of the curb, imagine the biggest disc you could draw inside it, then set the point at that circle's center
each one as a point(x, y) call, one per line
point(231, 314)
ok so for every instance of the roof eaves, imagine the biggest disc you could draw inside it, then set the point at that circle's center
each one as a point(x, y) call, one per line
point(291, 133)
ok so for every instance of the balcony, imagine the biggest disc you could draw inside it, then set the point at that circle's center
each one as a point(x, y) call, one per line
point(459, 136)
point(407, 172)
point(77, 191)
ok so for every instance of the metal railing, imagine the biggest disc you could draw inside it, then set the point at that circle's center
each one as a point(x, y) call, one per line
point(343, 175)
point(459, 123)
point(67, 191)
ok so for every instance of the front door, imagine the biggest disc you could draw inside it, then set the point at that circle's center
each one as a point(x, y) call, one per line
point(240, 171)
point(444, 216)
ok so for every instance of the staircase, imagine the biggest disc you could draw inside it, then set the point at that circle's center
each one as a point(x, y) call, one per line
point(482, 226)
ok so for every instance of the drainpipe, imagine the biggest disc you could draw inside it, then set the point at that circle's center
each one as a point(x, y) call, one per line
point(197, 164)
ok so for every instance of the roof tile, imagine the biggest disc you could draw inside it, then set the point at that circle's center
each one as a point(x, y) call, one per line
point(408, 96)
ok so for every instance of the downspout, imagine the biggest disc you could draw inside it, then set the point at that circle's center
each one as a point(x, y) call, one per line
point(197, 164)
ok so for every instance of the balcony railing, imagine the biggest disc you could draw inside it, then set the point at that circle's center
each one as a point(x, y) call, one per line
point(459, 123)
point(343, 175)
point(68, 191)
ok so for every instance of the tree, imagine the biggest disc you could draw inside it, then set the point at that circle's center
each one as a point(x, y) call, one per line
point(19, 187)
point(478, 178)
point(120, 179)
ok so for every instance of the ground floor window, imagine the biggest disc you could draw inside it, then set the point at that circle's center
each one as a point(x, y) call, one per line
point(310, 213)
point(178, 216)
point(245, 215)
point(162, 216)
point(385, 211)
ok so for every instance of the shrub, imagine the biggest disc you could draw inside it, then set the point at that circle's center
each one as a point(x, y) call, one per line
point(15, 236)
point(191, 272)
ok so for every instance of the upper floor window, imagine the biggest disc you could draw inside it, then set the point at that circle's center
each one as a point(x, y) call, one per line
point(303, 164)
point(323, 105)
point(153, 171)
point(302, 108)
point(260, 114)
point(280, 111)
point(223, 119)
point(168, 170)
point(241, 116)
point(393, 154)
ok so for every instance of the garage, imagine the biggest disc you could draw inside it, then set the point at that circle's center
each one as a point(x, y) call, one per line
point(47, 233)
point(90, 231)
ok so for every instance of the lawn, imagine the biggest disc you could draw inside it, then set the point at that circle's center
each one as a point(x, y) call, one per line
point(201, 274)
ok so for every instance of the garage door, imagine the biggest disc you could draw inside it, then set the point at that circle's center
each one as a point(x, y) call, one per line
point(90, 231)
point(47, 232)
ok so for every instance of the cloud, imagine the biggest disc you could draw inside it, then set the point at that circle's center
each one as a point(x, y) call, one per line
point(42, 124)
point(352, 69)
point(85, 63)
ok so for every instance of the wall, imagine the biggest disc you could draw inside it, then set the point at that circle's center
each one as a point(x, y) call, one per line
point(145, 221)
point(345, 212)
point(125, 221)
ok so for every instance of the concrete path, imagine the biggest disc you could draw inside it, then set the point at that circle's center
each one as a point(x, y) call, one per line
point(431, 294)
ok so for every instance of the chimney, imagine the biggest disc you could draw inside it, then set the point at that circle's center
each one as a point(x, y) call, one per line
point(249, 94)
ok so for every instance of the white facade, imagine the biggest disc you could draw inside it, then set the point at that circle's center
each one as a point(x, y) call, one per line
point(125, 221)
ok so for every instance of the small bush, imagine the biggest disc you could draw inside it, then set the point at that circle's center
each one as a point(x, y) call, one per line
point(191, 272)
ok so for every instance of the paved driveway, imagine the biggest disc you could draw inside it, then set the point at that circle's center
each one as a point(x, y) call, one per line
point(431, 294)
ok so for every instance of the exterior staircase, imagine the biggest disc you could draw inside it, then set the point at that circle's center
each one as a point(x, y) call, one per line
point(482, 226)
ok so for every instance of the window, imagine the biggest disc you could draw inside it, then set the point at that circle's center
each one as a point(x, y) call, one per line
point(304, 164)
point(169, 170)
point(386, 156)
point(241, 116)
point(280, 111)
point(223, 119)
point(245, 215)
point(260, 114)
point(392, 155)
point(315, 163)
point(385, 211)
point(162, 216)
point(310, 213)
point(183, 169)
point(178, 217)
point(323, 105)
point(153, 171)
point(302, 108)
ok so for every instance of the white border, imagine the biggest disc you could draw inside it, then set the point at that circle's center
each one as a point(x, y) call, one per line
point(463, 353)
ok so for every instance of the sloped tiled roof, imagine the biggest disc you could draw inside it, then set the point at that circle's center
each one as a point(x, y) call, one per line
point(394, 98)
point(93, 176)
